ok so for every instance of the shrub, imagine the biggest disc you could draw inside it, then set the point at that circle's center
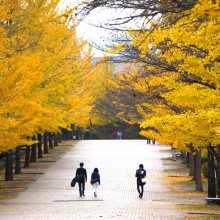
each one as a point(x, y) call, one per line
point(95, 135)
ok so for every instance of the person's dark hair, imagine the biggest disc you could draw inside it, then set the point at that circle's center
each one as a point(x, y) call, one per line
point(81, 164)
point(96, 170)
point(141, 166)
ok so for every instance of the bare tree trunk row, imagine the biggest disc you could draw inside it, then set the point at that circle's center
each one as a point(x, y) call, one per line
point(30, 153)
point(213, 170)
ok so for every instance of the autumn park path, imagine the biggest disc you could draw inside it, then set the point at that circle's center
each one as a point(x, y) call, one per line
point(51, 197)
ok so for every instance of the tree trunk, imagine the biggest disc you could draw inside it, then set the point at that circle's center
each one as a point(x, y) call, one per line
point(173, 154)
point(184, 158)
point(71, 133)
point(79, 130)
point(74, 131)
point(194, 167)
point(8, 166)
point(55, 139)
point(198, 171)
point(33, 151)
point(39, 144)
point(27, 157)
point(64, 133)
point(68, 134)
point(218, 171)
point(46, 150)
point(59, 138)
point(18, 160)
point(50, 140)
point(191, 165)
point(211, 174)
point(90, 129)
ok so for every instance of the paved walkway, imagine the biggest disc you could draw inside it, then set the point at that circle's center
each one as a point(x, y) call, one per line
point(52, 198)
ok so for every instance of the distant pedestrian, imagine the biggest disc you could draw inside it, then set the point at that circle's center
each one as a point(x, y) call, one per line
point(140, 174)
point(148, 140)
point(82, 178)
point(114, 134)
point(95, 180)
point(119, 135)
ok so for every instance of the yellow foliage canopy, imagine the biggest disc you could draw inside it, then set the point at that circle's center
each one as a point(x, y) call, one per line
point(185, 84)
point(45, 80)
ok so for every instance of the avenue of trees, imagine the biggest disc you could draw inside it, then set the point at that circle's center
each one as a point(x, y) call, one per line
point(47, 79)
point(172, 88)
point(169, 85)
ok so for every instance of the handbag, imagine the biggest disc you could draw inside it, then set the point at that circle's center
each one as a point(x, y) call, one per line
point(93, 181)
point(73, 182)
point(143, 183)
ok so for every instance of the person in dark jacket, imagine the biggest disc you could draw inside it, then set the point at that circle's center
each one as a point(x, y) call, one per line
point(95, 180)
point(82, 175)
point(140, 174)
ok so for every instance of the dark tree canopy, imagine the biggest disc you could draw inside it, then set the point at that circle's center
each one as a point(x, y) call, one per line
point(140, 8)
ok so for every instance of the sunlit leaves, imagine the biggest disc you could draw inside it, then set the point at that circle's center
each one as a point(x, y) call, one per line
point(46, 74)
point(181, 90)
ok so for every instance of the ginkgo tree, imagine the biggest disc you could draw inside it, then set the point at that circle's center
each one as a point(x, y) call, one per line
point(189, 77)
point(104, 111)
point(181, 54)
point(195, 87)
point(47, 76)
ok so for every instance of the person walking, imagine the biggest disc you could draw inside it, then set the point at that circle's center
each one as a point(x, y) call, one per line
point(95, 180)
point(120, 135)
point(140, 174)
point(82, 178)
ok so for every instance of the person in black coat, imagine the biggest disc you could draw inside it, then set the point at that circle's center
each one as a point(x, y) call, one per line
point(95, 180)
point(140, 174)
point(82, 175)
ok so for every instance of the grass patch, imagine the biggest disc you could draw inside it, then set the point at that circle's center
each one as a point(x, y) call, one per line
point(22, 180)
point(178, 178)
point(166, 158)
point(12, 189)
point(191, 193)
point(207, 217)
point(187, 183)
point(176, 170)
point(7, 196)
point(202, 207)
point(174, 164)
point(182, 181)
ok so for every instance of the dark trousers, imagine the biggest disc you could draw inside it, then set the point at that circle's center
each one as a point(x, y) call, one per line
point(140, 188)
point(81, 188)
